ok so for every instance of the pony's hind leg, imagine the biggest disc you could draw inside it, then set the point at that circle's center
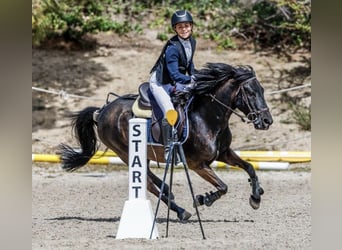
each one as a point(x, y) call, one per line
point(234, 160)
point(158, 182)
point(182, 214)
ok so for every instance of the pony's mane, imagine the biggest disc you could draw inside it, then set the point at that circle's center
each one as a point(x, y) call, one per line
point(214, 74)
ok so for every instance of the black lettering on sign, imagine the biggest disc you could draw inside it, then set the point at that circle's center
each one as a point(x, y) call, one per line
point(136, 191)
point(136, 131)
point(136, 176)
point(136, 161)
point(136, 145)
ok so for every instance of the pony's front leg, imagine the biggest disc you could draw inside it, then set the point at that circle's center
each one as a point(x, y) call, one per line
point(209, 198)
point(257, 191)
point(233, 159)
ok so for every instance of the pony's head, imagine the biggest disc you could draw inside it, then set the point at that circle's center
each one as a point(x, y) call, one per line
point(249, 94)
point(250, 97)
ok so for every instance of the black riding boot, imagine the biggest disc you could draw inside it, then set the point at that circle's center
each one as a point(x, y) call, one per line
point(167, 137)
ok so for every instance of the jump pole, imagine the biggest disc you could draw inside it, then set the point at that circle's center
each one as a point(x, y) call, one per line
point(54, 158)
point(137, 216)
point(266, 156)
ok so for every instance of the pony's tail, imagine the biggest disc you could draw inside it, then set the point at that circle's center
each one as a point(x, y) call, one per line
point(84, 129)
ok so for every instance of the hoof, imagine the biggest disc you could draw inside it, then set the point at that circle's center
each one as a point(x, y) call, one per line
point(184, 216)
point(207, 201)
point(255, 203)
point(199, 200)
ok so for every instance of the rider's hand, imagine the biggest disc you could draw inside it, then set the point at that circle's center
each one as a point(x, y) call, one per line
point(192, 83)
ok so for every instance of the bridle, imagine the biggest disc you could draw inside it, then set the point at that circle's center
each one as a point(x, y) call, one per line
point(252, 116)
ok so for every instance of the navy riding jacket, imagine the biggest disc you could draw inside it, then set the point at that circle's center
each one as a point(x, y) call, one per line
point(172, 66)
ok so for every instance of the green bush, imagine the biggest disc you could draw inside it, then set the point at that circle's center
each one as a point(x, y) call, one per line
point(277, 24)
point(271, 24)
point(302, 116)
point(72, 19)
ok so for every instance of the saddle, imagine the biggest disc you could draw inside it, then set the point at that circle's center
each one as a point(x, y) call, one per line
point(142, 107)
point(146, 106)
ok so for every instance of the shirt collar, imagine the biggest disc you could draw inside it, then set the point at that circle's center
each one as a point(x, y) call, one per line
point(184, 40)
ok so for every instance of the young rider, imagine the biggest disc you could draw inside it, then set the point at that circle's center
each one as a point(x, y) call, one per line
point(174, 68)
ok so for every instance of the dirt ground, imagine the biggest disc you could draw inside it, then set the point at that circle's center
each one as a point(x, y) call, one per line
point(82, 210)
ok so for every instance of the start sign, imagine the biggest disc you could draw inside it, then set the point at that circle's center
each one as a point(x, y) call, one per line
point(137, 158)
point(137, 216)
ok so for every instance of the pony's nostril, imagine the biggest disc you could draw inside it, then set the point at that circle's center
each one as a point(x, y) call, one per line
point(252, 117)
point(268, 121)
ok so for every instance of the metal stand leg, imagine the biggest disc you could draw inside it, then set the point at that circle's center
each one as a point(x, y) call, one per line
point(169, 159)
point(173, 152)
point(181, 152)
point(176, 148)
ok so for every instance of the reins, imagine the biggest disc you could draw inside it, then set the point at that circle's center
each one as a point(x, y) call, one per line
point(252, 115)
point(213, 98)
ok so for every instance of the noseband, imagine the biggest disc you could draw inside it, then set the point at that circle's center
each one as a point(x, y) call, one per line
point(252, 116)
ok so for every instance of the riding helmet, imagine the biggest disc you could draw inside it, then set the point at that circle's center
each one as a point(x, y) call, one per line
point(181, 16)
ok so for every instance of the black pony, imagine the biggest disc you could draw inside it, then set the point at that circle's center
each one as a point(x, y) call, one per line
point(220, 89)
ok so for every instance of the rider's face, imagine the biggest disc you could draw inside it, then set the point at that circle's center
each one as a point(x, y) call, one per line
point(183, 29)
